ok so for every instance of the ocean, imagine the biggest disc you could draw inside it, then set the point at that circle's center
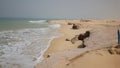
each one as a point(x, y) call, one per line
point(24, 41)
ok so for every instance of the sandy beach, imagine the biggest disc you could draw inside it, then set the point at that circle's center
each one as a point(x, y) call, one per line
point(100, 49)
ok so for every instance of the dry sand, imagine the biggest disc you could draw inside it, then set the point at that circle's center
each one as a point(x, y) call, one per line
point(64, 54)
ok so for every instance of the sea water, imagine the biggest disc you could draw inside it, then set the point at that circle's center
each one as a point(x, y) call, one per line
point(23, 42)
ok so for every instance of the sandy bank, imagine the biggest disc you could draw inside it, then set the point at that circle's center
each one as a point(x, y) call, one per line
point(63, 54)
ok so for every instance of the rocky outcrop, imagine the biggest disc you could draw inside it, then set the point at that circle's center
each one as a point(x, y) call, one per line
point(82, 37)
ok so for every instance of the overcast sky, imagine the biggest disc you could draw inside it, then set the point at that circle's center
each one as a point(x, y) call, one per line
point(61, 9)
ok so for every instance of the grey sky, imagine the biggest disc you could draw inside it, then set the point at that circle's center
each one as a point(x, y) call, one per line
point(61, 9)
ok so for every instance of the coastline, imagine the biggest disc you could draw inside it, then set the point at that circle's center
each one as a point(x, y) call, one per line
point(26, 44)
point(49, 44)
point(64, 30)
point(62, 53)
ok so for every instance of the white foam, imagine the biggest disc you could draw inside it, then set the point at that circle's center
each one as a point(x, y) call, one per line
point(54, 26)
point(38, 21)
point(24, 45)
point(41, 57)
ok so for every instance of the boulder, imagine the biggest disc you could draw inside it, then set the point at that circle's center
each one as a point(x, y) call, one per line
point(75, 26)
point(87, 34)
point(83, 36)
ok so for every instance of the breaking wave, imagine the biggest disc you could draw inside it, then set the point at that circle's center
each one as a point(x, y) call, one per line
point(24, 48)
point(39, 21)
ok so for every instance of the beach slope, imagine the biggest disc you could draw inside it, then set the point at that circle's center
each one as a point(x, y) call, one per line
point(67, 51)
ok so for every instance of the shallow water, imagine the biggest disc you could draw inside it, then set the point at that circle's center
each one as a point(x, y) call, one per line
point(23, 47)
point(16, 24)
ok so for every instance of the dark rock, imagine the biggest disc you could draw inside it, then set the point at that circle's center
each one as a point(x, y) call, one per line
point(81, 37)
point(87, 34)
point(110, 51)
point(67, 39)
point(82, 46)
point(75, 26)
point(48, 56)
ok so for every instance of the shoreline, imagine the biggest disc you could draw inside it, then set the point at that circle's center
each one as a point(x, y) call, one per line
point(41, 58)
point(25, 44)
point(62, 53)
point(53, 45)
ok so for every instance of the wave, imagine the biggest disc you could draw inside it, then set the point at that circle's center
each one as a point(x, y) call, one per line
point(54, 26)
point(38, 21)
point(20, 47)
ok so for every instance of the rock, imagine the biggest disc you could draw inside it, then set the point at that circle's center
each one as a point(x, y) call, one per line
point(82, 46)
point(81, 37)
point(114, 50)
point(87, 34)
point(67, 39)
point(75, 26)
point(48, 56)
point(70, 23)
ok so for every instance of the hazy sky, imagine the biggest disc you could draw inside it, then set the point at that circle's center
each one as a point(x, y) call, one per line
point(61, 9)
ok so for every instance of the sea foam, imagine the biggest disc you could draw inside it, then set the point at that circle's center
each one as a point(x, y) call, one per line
point(19, 48)
point(39, 21)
